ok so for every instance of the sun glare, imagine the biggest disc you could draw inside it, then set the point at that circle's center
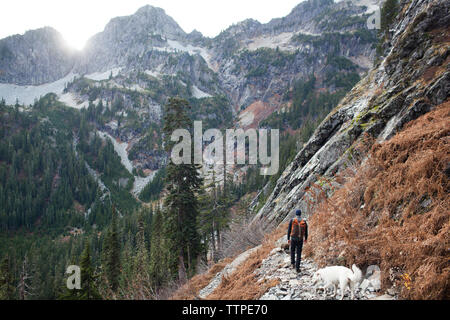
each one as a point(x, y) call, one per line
point(75, 41)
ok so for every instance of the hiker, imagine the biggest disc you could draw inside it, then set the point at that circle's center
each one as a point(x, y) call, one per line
point(297, 231)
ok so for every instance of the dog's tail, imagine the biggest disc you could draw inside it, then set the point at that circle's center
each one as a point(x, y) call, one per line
point(357, 274)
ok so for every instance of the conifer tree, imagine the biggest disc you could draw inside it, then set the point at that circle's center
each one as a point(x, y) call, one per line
point(157, 259)
point(141, 283)
point(141, 260)
point(183, 182)
point(388, 13)
point(6, 280)
point(127, 261)
point(214, 213)
point(88, 288)
point(112, 252)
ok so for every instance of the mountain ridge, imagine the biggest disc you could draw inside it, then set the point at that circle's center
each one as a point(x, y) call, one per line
point(246, 73)
point(154, 20)
point(39, 56)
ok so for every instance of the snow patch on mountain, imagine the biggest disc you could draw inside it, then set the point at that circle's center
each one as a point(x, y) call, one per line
point(27, 94)
point(70, 100)
point(197, 93)
point(121, 149)
point(176, 46)
point(135, 87)
point(190, 49)
point(157, 72)
point(281, 41)
point(99, 76)
point(153, 73)
point(141, 182)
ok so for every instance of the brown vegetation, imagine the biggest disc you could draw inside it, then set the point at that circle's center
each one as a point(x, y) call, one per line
point(241, 236)
point(260, 111)
point(243, 283)
point(244, 234)
point(393, 210)
point(190, 290)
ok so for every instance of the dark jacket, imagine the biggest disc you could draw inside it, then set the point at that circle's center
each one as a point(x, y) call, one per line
point(290, 226)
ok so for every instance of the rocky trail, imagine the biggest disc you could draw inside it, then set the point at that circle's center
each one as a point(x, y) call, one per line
point(292, 286)
point(299, 286)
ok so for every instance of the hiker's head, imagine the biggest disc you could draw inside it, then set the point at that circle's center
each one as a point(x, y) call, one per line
point(298, 212)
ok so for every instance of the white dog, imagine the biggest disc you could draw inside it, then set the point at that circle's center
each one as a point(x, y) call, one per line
point(346, 278)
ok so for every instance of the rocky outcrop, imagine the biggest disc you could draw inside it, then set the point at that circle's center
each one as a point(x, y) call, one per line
point(258, 61)
point(150, 40)
point(412, 79)
point(36, 57)
point(128, 38)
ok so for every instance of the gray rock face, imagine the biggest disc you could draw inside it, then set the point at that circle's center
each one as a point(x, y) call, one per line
point(397, 91)
point(136, 42)
point(127, 38)
point(37, 57)
point(317, 16)
point(307, 36)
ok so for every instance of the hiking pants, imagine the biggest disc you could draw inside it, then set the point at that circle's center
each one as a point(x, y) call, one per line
point(296, 245)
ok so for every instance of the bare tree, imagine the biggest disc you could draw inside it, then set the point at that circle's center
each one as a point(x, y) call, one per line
point(24, 288)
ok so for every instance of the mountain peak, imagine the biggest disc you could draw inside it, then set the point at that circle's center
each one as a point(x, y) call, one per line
point(146, 20)
point(49, 33)
point(36, 57)
point(150, 9)
point(309, 4)
point(45, 29)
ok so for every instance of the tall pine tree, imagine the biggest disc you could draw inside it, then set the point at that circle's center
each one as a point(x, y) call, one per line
point(88, 288)
point(183, 182)
point(112, 252)
point(141, 283)
point(6, 280)
point(157, 257)
point(88, 279)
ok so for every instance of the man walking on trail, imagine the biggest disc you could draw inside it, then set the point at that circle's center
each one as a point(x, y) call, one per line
point(297, 231)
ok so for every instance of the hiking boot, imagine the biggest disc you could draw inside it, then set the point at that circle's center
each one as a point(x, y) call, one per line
point(298, 270)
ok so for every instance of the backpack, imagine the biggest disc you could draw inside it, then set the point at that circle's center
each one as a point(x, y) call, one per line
point(298, 228)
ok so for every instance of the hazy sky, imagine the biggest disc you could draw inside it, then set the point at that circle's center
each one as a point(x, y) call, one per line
point(78, 20)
